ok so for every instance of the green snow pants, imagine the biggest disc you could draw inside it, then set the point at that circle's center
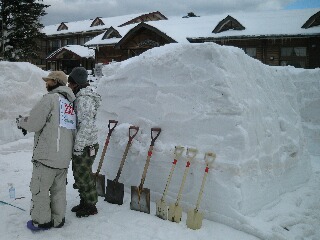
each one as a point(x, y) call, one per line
point(82, 173)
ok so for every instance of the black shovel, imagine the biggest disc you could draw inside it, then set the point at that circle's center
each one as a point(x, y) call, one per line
point(99, 178)
point(115, 189)
point(140, 197)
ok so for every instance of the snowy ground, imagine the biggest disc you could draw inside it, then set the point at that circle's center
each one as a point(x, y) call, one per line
point(300, 208)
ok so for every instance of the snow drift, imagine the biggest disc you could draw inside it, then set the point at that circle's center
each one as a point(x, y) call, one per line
point(212, 98)
point(21, 87)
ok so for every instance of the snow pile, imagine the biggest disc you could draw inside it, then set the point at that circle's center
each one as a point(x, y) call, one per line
point(204, 96)
point(211, 98)
point(21, 87)
point(308, 86)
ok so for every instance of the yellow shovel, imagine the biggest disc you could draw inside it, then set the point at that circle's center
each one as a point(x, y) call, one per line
point(175, 210)
point(162, 207)
point(194, 217)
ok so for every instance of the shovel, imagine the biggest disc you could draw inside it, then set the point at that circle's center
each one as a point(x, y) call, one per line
point(194, 217)
point(162, 207)
point(175, 210)
point(115, 189)
point(140, 197)
point(100, 179)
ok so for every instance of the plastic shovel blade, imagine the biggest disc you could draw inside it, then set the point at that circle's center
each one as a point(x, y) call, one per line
point(175, 213)
point(194, 219)
point(140, 199)
point(100, 184)
point(162, 209)
point(114, 192)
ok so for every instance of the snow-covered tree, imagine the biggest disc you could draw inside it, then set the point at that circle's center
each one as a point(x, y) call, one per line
point(21, 28)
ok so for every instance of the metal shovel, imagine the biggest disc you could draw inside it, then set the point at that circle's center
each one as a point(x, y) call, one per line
point(140, 197)
point(100, 179)
point(162, 207)
point(194, 217)
point(175, 210)
point(115, 189)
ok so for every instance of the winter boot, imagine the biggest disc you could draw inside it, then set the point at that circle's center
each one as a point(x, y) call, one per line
point(34, 226)
point(78, 207)
point(61, 224)
point(89, 209)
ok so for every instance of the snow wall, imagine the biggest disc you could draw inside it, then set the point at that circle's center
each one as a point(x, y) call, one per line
point(211, 98)
point(308, 88)
point(21, 86)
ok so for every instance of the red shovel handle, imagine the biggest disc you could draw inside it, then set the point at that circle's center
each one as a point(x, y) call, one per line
point(158, 130)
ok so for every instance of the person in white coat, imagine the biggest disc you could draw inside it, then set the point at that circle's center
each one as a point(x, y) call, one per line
point(86, 141)
point(53, 120)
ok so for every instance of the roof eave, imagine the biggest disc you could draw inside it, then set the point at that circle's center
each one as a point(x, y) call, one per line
point(244, 37)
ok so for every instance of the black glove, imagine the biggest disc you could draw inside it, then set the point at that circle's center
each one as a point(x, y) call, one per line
point(24, 132)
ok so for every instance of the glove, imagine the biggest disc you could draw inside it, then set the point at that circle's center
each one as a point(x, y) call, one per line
point(18, 121)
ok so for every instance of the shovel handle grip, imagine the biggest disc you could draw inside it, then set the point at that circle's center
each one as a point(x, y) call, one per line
point(112, 128)
point(209, 158)
point(158, 130)
point(132, 128)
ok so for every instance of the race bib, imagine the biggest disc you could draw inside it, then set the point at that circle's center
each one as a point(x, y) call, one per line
point(68, 117)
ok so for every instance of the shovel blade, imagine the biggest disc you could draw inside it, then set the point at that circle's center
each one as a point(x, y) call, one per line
point(140, 199)
point(114, 192)
point(100, 184)
point(175, 213)
point(162, 209)
point(194, 219)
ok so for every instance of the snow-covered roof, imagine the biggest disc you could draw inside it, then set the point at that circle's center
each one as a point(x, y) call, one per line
point(256, 24)
point(81, 51)
point(85, 25)
point(100, 40)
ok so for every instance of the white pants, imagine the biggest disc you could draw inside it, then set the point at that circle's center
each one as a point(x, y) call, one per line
point(48, 188)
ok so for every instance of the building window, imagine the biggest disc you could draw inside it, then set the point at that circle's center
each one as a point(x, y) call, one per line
point(56, 44)
point(252, 52)
point(87, 38)
point(81, 41)
point(294, 56)
point(64, 42)
point(72, 41)
point(294, 51)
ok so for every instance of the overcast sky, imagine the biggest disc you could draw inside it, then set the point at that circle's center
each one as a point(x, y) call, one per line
point(74, 10)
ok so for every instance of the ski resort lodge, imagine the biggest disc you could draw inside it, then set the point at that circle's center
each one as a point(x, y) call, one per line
point(277, 38)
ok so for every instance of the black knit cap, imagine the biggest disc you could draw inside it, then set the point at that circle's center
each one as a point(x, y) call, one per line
point(79, 75)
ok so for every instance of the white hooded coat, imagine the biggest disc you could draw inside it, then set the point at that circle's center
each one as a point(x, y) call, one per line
point(52, 144)
point(86, 106)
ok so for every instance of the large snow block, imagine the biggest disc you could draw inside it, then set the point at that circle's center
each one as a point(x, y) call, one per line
point(212, 98)
point(307, 82)
point(21, 86)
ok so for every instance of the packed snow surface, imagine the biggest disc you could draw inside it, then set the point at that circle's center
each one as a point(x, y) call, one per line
point(260, 121)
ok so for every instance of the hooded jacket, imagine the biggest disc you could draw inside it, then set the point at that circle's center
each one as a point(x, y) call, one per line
point(53, 144)
point(86, 106)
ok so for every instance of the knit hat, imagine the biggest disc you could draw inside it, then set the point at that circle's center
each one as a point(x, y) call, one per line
point(59, 76)
point(79, 75)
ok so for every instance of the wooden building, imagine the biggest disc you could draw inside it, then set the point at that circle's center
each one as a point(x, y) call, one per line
point(61, 37)
point(277, 38)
